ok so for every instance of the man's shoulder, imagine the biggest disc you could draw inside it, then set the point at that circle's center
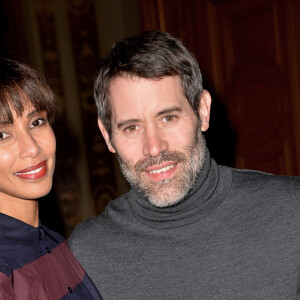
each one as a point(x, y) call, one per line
point(260, 189)
point(253, 178)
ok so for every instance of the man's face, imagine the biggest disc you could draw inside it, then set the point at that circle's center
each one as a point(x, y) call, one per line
point(157, 137)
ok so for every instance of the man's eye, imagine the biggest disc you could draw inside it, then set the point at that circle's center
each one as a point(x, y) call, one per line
point(131, 128)
point(169, 118)
point(38, 122)
point(3, 136)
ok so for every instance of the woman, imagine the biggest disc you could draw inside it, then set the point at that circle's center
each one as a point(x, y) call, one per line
point(35, 262)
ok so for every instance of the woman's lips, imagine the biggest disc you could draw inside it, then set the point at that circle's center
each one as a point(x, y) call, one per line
point(33, 172)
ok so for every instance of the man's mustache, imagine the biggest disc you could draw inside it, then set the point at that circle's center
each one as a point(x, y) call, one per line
point(147, 162)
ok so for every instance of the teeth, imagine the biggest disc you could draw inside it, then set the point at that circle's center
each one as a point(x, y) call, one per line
point(31, 172)
point(162, 170)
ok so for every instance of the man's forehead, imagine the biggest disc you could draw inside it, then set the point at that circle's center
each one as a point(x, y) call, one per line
point(135, 87)
point(134, 94)
point(122, 79)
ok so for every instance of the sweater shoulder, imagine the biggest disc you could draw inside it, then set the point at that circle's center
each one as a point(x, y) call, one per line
point(265, 189)
point(265, 181)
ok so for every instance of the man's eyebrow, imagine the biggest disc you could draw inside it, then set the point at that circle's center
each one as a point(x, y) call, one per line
point(127, 123)
point(162, 112)
point(169, 110)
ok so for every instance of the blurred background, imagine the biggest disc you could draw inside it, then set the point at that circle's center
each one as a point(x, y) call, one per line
point(249, 54)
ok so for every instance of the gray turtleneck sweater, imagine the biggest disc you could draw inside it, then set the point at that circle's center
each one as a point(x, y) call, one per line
point(237, 236)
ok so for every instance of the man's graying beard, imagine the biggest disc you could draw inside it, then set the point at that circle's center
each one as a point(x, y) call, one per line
point(171, 191)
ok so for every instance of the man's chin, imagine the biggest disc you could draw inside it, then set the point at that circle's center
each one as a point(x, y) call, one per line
point(163, 193)
point(165, 197)
point(161, 203)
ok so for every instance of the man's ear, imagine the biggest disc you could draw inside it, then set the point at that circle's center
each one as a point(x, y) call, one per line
point(204, 109)
point(106, 136)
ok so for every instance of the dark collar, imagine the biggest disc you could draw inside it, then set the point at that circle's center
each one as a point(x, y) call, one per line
point(15, 231)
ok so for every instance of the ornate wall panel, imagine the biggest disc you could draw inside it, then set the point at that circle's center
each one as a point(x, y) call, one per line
point(66, 190)
point(83, 28)
point(256, 82)
point(184, 19)
point(292, 28)
point(152, 14)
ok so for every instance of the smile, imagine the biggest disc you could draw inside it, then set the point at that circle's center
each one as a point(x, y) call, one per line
point(162, 169)
point(31, 172)
point(34, 172)
point(165, 172)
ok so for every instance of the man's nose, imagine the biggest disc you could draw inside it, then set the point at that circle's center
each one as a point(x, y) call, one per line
point(154, 142)
point(28, 146)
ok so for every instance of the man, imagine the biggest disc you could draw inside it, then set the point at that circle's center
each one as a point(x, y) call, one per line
point(188, 228)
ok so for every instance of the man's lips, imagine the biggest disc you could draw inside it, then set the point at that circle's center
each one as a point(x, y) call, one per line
point(161, 168)
point(162, 172)
point(33, 172)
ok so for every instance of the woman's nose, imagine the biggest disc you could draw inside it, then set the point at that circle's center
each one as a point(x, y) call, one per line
point(28, 146)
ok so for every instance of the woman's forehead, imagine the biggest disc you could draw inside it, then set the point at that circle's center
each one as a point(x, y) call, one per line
point(15, 106)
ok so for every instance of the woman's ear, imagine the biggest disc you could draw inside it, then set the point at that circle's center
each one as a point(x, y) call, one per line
point(204, 109)
point(106, 136)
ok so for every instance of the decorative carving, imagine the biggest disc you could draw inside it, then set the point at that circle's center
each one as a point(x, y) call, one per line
point(66, 185)
point(83, 27)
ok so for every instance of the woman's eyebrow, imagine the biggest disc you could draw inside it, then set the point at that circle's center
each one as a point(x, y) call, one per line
point(5, 123)
point(31, 113)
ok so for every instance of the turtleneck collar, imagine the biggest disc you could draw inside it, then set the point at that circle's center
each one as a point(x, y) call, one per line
point(210, 190)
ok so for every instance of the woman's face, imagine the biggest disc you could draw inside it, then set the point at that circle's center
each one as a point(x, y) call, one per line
point(27, 157)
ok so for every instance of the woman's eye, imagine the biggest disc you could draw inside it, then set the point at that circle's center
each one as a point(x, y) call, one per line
point(38, 122)
point(3, 136)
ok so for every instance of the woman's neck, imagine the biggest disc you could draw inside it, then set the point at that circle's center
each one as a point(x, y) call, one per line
point(26, 211)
